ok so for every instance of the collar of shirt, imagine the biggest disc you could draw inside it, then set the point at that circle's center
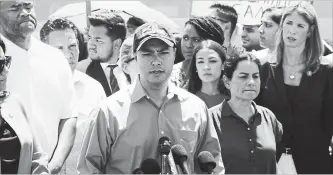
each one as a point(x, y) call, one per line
point(104, 65)
point(227, 111)
point(137, 91)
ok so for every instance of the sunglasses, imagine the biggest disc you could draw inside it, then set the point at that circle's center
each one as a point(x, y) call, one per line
point(5, 62)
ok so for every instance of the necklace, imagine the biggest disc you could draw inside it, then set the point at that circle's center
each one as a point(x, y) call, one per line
point(295, 68)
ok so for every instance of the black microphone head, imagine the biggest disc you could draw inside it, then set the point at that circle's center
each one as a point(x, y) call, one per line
point(150, 166)
point(164, 145)
point(137, 171)
point(206, 159)
point(179, 153)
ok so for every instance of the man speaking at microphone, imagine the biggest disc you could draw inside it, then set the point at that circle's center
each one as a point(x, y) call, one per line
point(125, 130)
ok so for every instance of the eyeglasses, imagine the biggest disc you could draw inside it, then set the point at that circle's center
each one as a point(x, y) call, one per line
point(5, 62)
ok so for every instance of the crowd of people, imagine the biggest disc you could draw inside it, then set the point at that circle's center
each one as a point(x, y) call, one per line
point(131, 97)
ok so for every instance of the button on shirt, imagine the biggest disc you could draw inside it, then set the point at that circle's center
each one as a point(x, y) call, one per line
point(127, 128)
point(247, 148)
point(42, 79)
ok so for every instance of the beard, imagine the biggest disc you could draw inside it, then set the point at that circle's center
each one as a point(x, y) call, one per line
point(97, 57)
point(19, 29)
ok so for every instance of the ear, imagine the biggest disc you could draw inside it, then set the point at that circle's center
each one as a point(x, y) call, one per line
point(117, 43)
point(226, 82)
point(124, 67)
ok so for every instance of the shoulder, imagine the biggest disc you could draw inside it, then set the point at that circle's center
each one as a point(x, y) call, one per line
point(83, 65)
point(262, 55)
point(42, 48)
point(267, 113)
point(185, 95)
point(326, 68)
point(14, 104)
point(88, 81)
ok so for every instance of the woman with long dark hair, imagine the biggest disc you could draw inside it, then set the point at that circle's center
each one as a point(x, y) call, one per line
point(299, 91)
point(206, 73)
point(196, 30)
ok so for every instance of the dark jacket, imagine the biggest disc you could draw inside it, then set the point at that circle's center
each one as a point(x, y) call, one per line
point(308, 122)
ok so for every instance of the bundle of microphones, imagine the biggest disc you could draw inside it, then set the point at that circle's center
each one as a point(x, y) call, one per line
point(175, 163)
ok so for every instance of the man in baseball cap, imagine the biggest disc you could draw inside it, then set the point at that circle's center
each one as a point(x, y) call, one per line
point(154, 48)
point(128, 128)
point(152, 30)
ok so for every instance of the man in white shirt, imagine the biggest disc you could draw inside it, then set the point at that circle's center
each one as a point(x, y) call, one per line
point(63, 34)
point(40, 75)
point(106, 33)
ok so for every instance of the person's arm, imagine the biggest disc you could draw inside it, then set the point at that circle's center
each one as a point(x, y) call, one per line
point(66, 136)
point(96, 144)
point(209, 141)
point(39, 164)
point(67, 113)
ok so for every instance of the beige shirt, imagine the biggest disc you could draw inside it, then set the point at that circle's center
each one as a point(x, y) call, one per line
point(126, 130)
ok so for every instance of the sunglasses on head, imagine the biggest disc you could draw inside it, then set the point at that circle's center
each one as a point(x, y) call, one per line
point(5, 62)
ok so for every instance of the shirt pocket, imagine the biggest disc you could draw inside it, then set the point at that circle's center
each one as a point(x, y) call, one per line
point(188, 139)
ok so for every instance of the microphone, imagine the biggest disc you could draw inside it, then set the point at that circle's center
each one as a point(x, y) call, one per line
point(180, 155)
point(137, 171)
point(150, 166)
point(164, 146)
point(207, 162)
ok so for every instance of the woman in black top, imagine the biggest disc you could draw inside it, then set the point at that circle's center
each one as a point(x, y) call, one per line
point(248, 133)
point(299, 90)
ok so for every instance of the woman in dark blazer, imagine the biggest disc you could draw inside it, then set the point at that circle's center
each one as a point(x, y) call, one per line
point(20, 153)
point(299, 91)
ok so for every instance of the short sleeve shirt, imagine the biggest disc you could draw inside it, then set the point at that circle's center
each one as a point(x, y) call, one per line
point(247, 147)
point(42, 79)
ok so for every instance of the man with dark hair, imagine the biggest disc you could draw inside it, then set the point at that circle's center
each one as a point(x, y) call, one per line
point(106, 33)
point(250, 34)
point(133, 23)
point(126, 129)
point(62, 24)
point(227, 17)
point(63, 35)
point(40, 75)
